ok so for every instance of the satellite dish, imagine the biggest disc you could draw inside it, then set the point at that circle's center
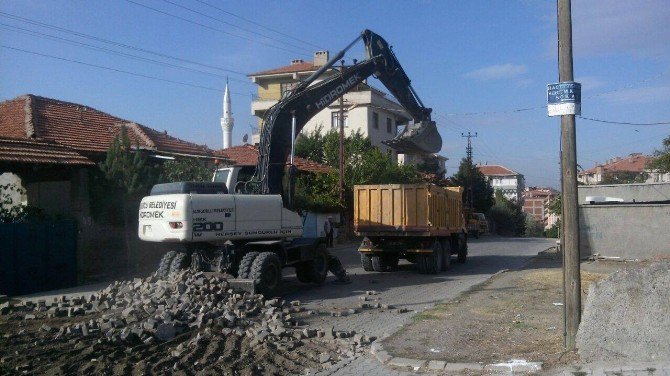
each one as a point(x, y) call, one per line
point(245, 138)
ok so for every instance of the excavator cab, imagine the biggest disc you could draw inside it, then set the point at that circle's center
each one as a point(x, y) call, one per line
point(421, 137)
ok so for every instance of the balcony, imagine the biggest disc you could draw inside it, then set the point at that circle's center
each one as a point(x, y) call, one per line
point(259, 106)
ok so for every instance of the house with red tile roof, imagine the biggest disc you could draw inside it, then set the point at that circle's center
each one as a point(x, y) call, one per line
point(51, 148)
point(510, 182)
point(634, 166)
point(247, 156)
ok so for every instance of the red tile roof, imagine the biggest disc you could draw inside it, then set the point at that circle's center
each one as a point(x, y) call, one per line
point(635, 162)
point(306, 66)
point(247, 155)
point(81, 127)
point(39, 152)
point(496, 170)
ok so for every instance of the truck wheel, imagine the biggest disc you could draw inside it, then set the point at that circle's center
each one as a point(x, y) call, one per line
point(462, 249)
point(366, 262)
point(266, 273)
point(245, 264)
point(318, 267)
point(179, 262)
point(302, 272)
point(430, 263)
point(385, 262)
point(164, 266)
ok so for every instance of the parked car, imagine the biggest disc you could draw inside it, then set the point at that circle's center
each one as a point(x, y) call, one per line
point(477, 225)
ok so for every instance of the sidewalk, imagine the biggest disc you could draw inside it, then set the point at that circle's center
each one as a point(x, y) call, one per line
point(511, 324)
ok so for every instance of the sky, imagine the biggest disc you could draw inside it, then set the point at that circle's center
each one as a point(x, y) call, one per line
point(482, 66)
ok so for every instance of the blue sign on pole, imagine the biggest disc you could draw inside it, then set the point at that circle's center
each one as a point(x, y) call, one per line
point(564, 98)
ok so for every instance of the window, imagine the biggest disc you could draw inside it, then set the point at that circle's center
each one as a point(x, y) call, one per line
point(335, 119)
point(375, 120)
point(284, 87)
point(389, 125)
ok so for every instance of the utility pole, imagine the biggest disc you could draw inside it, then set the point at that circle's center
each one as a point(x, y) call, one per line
point(341, 124)
point(468, 151)
point(570, 240)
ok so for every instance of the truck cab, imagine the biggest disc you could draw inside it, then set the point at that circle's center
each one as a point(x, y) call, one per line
point(234, 176)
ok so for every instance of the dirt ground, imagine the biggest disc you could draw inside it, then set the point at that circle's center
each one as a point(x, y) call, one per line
point(514, 315)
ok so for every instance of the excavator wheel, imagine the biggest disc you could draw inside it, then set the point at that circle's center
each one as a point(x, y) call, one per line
point(245, 264)
point(164, 266)
point(318, 267)
point(266, 273)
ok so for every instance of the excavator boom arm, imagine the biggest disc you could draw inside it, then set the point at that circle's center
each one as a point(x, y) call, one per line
point(306, 100)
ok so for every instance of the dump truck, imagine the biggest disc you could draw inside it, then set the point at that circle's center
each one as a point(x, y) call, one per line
point(422, 223)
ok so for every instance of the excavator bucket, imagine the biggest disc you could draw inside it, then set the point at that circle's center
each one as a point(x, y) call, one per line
point(420, 137)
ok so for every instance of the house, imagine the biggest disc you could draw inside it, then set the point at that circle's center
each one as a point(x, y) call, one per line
point(367, 110)
point(622, 170)
point(535, 201)
point(51, 148)
point(510, 182)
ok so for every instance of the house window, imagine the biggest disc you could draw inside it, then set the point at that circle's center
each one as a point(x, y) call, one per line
point(389, 125)
point(375, 120)
point(284, 87)
point(335, 119)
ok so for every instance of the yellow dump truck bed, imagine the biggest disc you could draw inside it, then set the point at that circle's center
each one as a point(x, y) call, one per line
point(407, 209)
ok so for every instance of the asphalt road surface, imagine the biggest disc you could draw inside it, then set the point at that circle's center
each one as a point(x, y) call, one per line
point(404, 288)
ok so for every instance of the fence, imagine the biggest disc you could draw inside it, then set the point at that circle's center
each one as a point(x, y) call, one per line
point(37, 256)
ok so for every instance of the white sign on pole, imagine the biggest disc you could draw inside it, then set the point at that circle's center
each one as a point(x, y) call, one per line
point(564, 98)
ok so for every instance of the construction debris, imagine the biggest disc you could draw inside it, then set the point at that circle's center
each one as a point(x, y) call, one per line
point(192, 320)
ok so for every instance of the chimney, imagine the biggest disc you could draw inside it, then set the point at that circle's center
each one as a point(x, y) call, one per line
point(321, 58)
point(297, 61)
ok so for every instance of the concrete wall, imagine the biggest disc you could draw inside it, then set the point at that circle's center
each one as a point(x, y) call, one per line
point(629, 192)
point(626, 231)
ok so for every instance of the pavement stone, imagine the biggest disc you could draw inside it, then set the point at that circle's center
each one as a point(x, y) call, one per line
point(436, 365)
point(414, 364)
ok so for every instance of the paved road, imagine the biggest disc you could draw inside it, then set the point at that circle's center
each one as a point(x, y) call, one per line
point(403, 289)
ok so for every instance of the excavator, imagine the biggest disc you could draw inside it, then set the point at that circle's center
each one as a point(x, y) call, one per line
point(248, 228)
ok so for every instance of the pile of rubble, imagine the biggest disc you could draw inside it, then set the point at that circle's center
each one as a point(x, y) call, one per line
point(181, 317)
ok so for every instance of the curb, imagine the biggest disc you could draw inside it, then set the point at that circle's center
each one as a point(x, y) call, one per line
point(512, 366)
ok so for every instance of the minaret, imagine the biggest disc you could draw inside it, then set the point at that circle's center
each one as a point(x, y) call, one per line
point(227, 120)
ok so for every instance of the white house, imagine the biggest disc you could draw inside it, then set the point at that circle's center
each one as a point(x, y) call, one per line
point(510, 182)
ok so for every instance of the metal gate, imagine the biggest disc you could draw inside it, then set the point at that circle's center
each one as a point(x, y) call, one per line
point(37, 256)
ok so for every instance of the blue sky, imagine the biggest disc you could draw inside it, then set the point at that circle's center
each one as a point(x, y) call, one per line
point(474, 62)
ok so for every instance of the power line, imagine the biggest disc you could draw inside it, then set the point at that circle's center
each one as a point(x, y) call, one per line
point(219, 90)
point(97, 48)
point(233, 25)
point(622, 122)
point(214, 29)
point(256, 23)
point(118, 44)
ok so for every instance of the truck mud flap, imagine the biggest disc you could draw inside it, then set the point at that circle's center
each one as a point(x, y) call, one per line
point(243, 284)
point(420, 137)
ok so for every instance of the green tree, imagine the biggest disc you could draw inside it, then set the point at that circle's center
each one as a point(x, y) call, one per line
point(508, 216)
point(186, 169)
point(365, 164)
point(125, 168)
point(624, 177)
point(661, 162)
point(129, 176)
point(482, 192)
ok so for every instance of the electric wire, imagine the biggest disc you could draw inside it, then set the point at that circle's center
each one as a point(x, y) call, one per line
point(256, 23)
point(107, 41)
point(109, 51)
point(118, 70)
point(233, 25)
point(214, 28)
point(622, 122)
